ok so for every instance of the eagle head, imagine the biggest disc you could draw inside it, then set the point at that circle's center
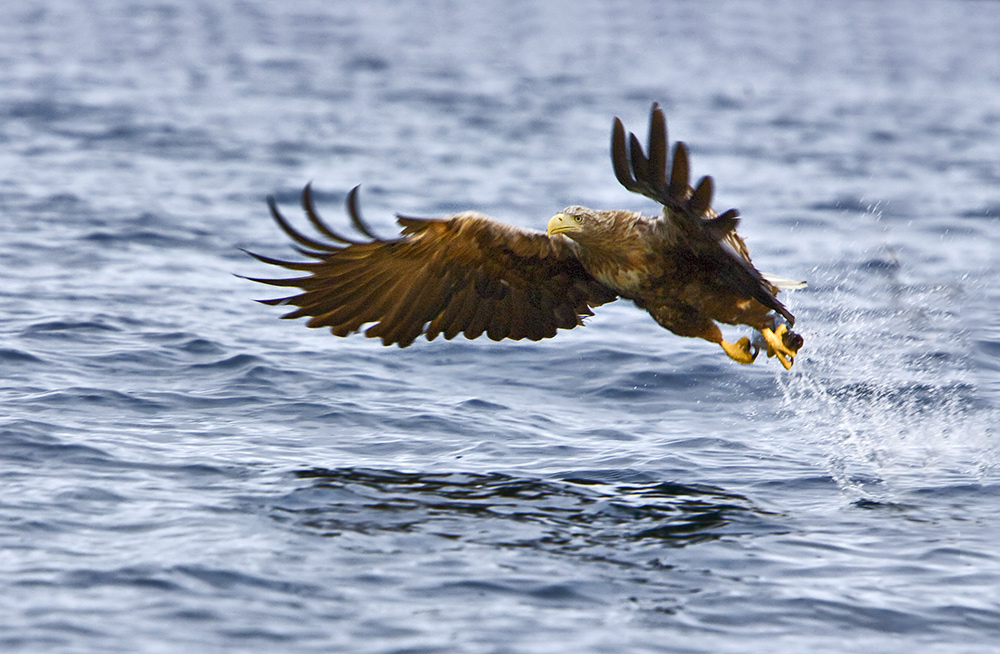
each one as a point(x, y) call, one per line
point(581, 224)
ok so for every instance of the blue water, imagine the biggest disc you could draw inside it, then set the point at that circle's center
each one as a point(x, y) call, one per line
point(184, 472)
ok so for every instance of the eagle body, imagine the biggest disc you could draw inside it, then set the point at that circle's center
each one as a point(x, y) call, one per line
point(654, 262)
point(469, 274)
point(621, 249)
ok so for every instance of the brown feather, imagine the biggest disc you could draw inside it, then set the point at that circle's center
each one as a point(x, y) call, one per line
point(701, 199)
point(310, 210)
point(679, 175)
point(456, 314)
point(463, 274)
point(640, 165)
point(296, 236)
point(479, 321)
point(620, 158)
point(354, 211)
point(657, 148)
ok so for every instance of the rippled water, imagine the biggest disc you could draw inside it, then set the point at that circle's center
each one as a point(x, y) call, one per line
point(184, 471)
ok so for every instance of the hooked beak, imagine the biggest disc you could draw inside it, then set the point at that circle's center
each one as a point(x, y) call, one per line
point(561, 223)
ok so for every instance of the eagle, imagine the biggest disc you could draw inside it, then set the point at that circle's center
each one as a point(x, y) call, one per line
point(469, 274)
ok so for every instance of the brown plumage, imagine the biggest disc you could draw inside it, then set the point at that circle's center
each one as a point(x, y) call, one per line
point(468, 274)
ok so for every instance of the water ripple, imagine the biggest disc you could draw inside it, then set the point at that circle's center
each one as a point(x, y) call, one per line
point(183, 471)
point(570, 515)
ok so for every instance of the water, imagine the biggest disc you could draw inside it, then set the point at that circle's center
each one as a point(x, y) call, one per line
point(182, 471)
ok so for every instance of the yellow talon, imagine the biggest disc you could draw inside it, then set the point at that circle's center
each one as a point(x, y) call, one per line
point(740, 351)
point(782, 344)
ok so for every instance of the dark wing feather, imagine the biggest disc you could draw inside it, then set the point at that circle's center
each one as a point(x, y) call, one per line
point(461, 275)
point(712, 237)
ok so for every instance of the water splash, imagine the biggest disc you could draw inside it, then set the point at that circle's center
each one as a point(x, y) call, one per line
point(892, 390)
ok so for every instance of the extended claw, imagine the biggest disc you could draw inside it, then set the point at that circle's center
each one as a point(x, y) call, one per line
point(782, 343)
point(741, 351)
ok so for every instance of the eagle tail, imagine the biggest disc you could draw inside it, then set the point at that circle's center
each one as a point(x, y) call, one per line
point(783, 283)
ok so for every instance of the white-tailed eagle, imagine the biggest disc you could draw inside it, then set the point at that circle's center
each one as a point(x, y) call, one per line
point(469, 274)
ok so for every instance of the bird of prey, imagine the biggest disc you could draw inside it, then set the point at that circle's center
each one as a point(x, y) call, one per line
point(472, 275)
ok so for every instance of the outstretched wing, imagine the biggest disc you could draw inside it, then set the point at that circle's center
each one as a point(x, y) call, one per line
point(711, 236)
point(465, 274)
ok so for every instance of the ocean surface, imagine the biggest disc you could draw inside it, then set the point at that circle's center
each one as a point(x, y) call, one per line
point(182, 471)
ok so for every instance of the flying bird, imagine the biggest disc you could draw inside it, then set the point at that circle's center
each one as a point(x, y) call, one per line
point(472, 275)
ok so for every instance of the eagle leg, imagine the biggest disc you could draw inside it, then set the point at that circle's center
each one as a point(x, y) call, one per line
point(782, 343)
point(741, 351)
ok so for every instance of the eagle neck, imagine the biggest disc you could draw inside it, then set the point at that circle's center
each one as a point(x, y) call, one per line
point(619, 264)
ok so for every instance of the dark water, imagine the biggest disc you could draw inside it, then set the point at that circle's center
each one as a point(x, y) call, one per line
point(182, 471)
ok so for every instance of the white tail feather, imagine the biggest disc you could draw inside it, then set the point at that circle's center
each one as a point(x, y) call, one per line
point(783, 283)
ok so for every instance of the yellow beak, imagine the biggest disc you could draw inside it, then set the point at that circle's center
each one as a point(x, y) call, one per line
point(562, 223)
